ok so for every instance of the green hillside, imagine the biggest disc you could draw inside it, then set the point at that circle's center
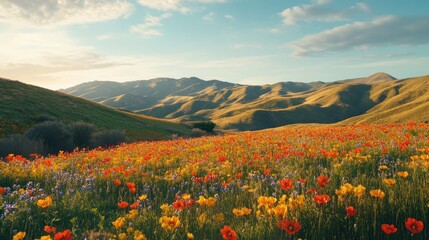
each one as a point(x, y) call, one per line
point(21, 105)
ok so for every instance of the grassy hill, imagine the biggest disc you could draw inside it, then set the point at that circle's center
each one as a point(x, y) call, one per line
point(376, 98)
point(22, 104)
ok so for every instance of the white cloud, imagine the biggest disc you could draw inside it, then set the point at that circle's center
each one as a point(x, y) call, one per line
point(389, 30)
point(209, 17)
point(61, 12)
point(319, 11)
point(147, 29)
point(229, 17)
point(175, 5)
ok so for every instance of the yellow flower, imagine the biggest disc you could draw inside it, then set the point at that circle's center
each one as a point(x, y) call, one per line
point(190, 235)
point(390, 181)
point(279, 211)
point(296, 202)
point(359, 191)
point(138, 235)
point(282, 200)
point(186, 196)
point(202, 218)
point(377, 193)
point(169, 223)
point(143, 197)
point(266, 202)
point(241, 212)
point(122, 236)
point(165, 209)
point(130, 230)
point(218, 217)
point(47, 237)
point(383, 167)
point(210, 202)
point(132, 214)
point(19, 236)
point(119, 223)
point(403, 174)
point(44, 203)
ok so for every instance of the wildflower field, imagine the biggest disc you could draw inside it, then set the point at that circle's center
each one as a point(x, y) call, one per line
point(323, 182)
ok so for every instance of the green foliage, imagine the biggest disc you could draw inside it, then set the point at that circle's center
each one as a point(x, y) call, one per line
point(108, 138)
point(21, 145)
point(54, 136)
point(207, 126)
point(81, 133)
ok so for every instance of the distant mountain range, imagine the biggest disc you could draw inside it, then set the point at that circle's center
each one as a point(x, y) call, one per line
point(374, 99)
point(23, 105)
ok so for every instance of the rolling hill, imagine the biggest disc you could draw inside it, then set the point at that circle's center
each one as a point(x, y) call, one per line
point(377, 98)
point(22, 104)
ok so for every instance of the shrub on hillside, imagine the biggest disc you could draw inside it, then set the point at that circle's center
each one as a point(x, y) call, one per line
point(45, 118)
point(81, 134)
point(19, 145)
point(108, 138)
point(54, 136)
point(207, 126)
point(196, 132)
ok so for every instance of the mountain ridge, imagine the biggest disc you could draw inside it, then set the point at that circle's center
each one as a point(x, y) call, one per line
point(252, 107)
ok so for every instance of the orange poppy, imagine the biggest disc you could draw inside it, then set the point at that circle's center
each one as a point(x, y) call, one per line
point(388, 229)
point(291, 227)
point(2, 190)
point(122, 205)
point(414, 226)
point(117, 182)
point(351, 211)
point(228, 233)
point(322, 181)
point(286, 184)
point(322, 199)
point(49, 229)
point(63, 235)
point(179, 205)
point(135, 205)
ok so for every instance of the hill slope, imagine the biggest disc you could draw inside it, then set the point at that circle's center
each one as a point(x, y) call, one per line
point(22, 104)
point(243, 107)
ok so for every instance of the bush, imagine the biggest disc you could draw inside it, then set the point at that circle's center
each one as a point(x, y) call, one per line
point(20, 145)
point(81, 134)
point(205, 126)
point(196, 132)
point(108, 138)
point(54, 136)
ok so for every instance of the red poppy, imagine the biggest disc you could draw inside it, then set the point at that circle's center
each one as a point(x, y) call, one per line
point(135, 205)
point(414, 226)
point(63, 235)
point(2, 190)
point(239, 175)
point(179, 205)
point(302, 181)
point(291, 227)
point(267, 172)
point(322, 199)
point(49, 229)
point(117, 182)
point(351, 211)
point(122, 205)
point(388, 229)
point(228, 233)
point(311, 191)
point(131, 187)
point(322, 181)
point(286, 184)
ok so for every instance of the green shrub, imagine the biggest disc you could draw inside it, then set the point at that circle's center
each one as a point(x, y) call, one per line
point(54, 136)
point(81, 134)
point(108, 138)
point(207, 126)
point(19, 145)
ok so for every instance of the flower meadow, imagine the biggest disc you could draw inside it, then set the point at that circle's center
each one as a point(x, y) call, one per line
point(319, 182)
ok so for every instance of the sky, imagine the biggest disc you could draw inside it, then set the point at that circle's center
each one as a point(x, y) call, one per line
point(61, 43)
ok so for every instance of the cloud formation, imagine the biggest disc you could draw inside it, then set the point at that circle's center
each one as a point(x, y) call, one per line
point(388, 30)
point(175, 5)
point(59, 12)
point(147, 29)
point(320, 11)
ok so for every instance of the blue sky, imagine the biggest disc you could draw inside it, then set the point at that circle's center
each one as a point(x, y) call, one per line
point(61, 43)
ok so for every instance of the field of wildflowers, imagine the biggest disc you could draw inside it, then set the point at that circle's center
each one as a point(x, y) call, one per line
point(327, 182)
